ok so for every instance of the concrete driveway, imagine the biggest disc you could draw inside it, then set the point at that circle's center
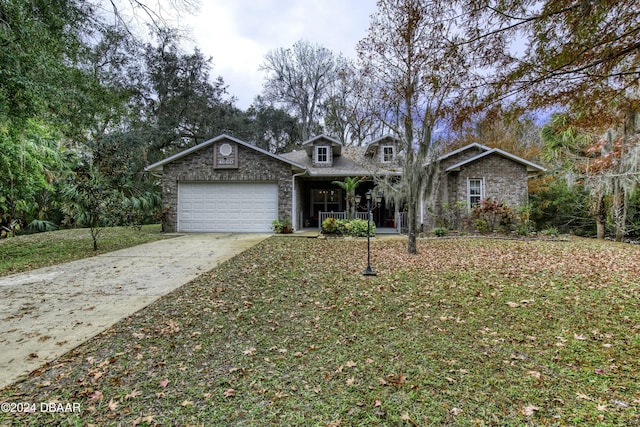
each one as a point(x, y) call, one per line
point(49, 311)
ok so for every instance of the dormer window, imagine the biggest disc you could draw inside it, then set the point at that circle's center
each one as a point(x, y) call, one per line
point(387, 153)
point(322, 154)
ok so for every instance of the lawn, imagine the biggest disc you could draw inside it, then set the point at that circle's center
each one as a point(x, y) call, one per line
point(31, 251)
point(468, 332)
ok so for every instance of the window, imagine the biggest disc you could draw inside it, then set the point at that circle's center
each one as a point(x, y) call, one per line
point(387, 153)
point(322, 154)
point(475, 191)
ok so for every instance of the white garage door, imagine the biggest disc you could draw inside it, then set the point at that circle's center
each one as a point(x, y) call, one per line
point(225, 206)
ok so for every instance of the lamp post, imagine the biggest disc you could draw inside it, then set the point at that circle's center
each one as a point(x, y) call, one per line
point(368, 271)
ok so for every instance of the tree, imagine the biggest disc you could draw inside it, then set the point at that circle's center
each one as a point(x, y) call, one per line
point(577, 52)
point(90, 202)
point(39, 44)
point(299, 79)
point(349, 186)
point(411, 67)
point(580, 56)
point(518, 134)
point(567, 147)
point(343, 110)
point(271, 128)
point(182, 107)
point(69, 81)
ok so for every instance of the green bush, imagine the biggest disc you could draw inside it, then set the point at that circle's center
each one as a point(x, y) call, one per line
point(329, 226)
point(491, 215)
point(358, 228)
point(482, 226)
point(550, 232)
point(564, 207)
point(346, 227)
point(440, 231)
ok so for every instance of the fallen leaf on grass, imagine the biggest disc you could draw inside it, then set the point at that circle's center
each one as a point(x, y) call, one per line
point(186, 403)
point(163, 383)
point(112, 405)
point(513, 304)
point(535, 374)
point(351, 381)
point(455, 411)
point(134, 393)
point(148, 420)
point(249, 351)
point(229, 392)
point(529, 410)
point(96, 395)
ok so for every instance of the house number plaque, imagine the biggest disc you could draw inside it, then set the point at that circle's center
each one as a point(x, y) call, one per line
point(226, 156)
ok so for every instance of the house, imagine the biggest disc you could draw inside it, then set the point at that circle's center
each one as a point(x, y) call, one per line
point(228, 185)
point(477, 172)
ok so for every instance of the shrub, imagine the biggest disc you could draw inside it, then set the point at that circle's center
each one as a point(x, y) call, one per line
point(281, 227)
point(345, 227)
point(277, 226)
point(491, 215)
point(329, 226)
point(550, 232)
point(358, 228)
point(482, 226)
point(440, 231)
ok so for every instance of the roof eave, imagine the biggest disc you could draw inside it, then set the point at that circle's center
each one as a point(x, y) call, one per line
point(158, 166)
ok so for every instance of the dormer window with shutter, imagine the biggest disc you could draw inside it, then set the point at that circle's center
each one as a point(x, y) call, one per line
point(322, 154)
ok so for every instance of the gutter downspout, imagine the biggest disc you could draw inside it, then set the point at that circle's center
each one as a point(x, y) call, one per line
point(294, 220)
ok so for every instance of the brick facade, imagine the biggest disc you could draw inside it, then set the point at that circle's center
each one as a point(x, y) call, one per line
point(253, 166)
point(504, 176)
point(504, 181)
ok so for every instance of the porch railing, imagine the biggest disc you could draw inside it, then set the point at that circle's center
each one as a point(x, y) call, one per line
point(324, 215)
point(337, 215)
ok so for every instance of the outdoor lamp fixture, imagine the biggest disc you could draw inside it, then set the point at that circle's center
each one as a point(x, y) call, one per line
point(369, 271)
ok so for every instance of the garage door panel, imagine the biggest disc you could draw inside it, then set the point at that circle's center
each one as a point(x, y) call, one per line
point(224, 206)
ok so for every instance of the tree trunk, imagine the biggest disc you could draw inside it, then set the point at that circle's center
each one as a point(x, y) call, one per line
point(601, 217)
point(412, 228)
point(619, 212)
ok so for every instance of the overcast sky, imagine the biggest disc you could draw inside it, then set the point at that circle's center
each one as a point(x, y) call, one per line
point(237, 34)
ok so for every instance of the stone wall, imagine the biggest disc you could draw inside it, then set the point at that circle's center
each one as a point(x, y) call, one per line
point(253, 166)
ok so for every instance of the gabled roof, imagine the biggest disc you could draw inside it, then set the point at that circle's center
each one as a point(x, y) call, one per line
point(156, 167)
point(465, 148)
point(382, 139)
point(531, 167)
point(336, 146)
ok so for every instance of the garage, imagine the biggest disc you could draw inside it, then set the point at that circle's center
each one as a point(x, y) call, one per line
point(227, 206)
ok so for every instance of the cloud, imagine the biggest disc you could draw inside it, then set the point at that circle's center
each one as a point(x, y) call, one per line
point(237, 34)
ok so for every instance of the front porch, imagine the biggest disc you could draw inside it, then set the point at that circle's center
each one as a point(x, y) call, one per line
point(395, 225)
point(320, 198)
